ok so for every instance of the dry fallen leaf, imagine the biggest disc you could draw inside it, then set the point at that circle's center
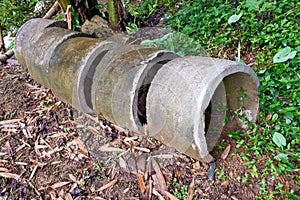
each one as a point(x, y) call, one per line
point(108, 148)
point(68, 196)
point(142, 149)
point(159, 196)
point(159, 179)
point(108, 185)
point(33, 172)
point(286, 188)
point(141, 181)
point(196, 165)
point(269, 116)
point(149, 190)
point(73, 178)
point(10, 175)
point(171, 196)
point(10, 121)
point(2, 169)
point(81, 146)
point(191, 190)
point(226, 152)
point(59, 184)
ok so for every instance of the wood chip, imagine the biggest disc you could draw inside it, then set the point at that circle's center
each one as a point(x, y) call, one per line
point(108, 185)
point(20, 147)
point(36, 143)
point(95, 197)
point(54, 106)
point(59, 184)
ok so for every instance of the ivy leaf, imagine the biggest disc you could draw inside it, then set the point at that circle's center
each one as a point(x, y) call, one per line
point(284, 54)
point(234, 18)
point(279, 139)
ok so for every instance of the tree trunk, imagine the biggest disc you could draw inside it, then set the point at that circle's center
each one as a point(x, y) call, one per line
point(2, 45)
point(113, 14)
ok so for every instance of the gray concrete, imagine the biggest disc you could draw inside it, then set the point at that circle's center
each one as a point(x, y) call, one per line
point(181, 101)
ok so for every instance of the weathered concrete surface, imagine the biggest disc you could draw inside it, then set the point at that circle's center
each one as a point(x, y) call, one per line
point(182, 90)
point(182, 100)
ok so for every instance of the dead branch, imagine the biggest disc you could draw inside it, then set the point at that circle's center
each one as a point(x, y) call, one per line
point(52, 10)
point(7, 55)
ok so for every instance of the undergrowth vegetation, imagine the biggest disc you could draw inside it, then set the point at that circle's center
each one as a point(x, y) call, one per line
point(266, 30)
point(270, 30)
point(14, 13)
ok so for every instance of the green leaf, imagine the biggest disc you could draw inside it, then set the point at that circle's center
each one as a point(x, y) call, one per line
point(234, 18)
point(284, 54)
point(147, 42)
point(279, 139)
point(274, 117)
point(253, 4)
point(282, 157)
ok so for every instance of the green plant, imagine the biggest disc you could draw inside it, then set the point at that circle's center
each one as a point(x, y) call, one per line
point(13, 14)
point(270, 29)
point(180, 191)
point(177, 42)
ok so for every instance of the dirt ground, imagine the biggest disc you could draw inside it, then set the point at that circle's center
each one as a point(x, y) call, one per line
point(48, 150)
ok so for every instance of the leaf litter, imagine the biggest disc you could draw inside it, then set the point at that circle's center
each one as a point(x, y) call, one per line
point(50, 151)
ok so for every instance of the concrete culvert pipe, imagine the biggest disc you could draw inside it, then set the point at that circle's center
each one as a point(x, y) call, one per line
point(184, 88)
point(120, 74)
point(35, 43)
point(181, 101)
point(61, 59)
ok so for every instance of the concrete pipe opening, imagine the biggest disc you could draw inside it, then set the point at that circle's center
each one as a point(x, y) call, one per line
point(187, 92)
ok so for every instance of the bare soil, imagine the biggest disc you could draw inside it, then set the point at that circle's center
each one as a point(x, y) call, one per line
point(48, 150)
